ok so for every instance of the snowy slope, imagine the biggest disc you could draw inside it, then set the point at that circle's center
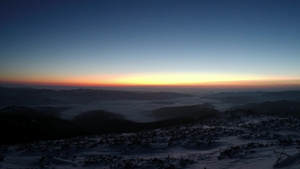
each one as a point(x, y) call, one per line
point(231, 140)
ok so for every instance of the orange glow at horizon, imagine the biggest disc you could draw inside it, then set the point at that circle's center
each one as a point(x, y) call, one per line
point(162, 79)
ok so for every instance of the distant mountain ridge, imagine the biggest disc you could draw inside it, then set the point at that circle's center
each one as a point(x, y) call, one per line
point(35, 97)
point(255, 97)
point(282, 108)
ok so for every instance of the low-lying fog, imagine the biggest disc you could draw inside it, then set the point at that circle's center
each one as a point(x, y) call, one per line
point(139, 110)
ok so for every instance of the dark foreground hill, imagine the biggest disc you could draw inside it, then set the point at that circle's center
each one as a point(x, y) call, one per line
point(22, 124)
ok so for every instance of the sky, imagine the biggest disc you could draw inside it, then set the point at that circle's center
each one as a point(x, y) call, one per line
point(198, 43)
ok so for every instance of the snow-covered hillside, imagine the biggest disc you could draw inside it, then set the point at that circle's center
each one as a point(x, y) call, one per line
point(231, 140)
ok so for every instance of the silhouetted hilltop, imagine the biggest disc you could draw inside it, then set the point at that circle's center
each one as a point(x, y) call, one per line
point(194, 111)
point(34, 97)
point(255, 97)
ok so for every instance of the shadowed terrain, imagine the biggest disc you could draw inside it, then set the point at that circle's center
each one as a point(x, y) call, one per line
point(189, 136)
point(23, 124)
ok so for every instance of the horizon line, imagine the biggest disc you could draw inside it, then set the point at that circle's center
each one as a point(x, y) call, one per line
point(249, 84)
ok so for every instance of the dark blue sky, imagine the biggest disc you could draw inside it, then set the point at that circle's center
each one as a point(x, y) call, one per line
point(120, 41)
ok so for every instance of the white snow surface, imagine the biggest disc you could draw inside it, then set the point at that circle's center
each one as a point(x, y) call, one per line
point(225, 142)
